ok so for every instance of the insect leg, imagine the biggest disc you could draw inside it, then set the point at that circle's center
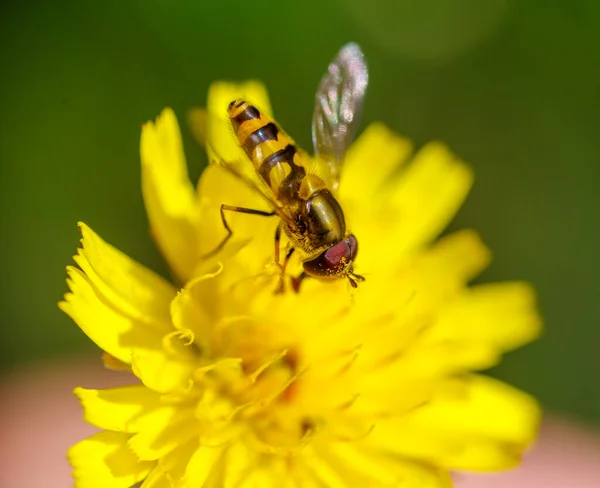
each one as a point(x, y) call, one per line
point(281, 286)
point(282, 267)
point(277, 244)
point(296, 282)
point(287, 259)
point(232, 208)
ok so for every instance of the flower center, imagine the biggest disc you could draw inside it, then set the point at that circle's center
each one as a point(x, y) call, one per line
point(252, 399)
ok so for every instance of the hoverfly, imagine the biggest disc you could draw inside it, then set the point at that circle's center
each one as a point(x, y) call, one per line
point(300, 189)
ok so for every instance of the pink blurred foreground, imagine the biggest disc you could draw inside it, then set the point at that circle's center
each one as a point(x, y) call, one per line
point(40, 419)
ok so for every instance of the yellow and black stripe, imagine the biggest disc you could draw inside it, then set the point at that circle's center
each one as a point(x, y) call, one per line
point(273, 154)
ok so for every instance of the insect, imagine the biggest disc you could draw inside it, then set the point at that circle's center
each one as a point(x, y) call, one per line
point(302, 190)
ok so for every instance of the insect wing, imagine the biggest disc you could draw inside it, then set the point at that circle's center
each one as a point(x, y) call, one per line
point(338, 105)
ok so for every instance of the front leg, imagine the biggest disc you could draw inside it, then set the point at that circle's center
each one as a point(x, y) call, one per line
point(232, 208)
point(282, 267)
point(297, 281)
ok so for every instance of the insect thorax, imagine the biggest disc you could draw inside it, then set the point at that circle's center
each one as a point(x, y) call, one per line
point(319, 223)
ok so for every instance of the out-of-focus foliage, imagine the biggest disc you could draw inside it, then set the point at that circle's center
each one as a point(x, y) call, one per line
point(513, 87)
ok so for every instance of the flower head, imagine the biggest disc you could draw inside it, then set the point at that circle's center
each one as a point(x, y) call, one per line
point(329, 387)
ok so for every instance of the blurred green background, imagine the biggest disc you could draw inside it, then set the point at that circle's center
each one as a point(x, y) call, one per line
point(513, 88)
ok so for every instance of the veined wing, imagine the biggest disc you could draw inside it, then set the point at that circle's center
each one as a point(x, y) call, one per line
point(338, 104)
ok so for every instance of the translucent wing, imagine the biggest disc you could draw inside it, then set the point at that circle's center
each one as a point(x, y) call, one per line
point(337, 108)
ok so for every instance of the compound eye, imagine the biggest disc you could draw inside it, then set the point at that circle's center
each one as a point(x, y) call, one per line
point(332, 262)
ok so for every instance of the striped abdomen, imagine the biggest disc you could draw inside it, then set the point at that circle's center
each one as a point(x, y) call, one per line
point(315, 220)
point(272, 152)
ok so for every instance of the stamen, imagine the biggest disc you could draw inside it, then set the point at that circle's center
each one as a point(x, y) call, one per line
point(200, 373)
point(265, 447)
point(354, 352)
point(349, 403)
point(266, 401)
point(359, 437)
point(269, 362)
point(185, 337)
point(179, 395)
point(207, 275)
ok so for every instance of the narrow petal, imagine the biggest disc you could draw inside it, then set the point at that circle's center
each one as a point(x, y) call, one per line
point(157, 479)
point(361, 467)
point(114, 364)
point(427, 195)
point(428, 279)
point(162, 431)
point(346, 465)
point(201, 464)
point(324, 473)
point(130, 287)
point(267, 474)
point(483, 323)
point(169, 196)
point(112, 331)
point(188, 314)
point(217, 186)
point(503, 315)
point(104, 460)
point(118, 409)
point(370, 162)
point(448, 265)
point(166, 371)
point(233, 467)
point(476, 424)
point(241, 466)
point(175, 462)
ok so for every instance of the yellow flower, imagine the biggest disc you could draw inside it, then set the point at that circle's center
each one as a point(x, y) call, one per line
point(330, 387)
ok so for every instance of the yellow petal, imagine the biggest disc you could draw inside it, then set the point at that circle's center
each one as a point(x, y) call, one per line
point(321, 470)
point(343, 465)
point(216, 187)
point(175, 462)
point(103, 460)
point(118, 409)
point(166, 371)
point(475, 424)
point(220, 135)
point(270, 472)
point(369, 164)
point(188, 314)
point(426, 196)
point(112, 363)
point(444, 269)
point(163, 430)
point(130, 287)
point(157, 479)
point(241, 466)
point(503, 315)
point(169, 196)
point(425, 281)
point(115, 333)
point(201, 464)
point(233, 467)
point(483, 323)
